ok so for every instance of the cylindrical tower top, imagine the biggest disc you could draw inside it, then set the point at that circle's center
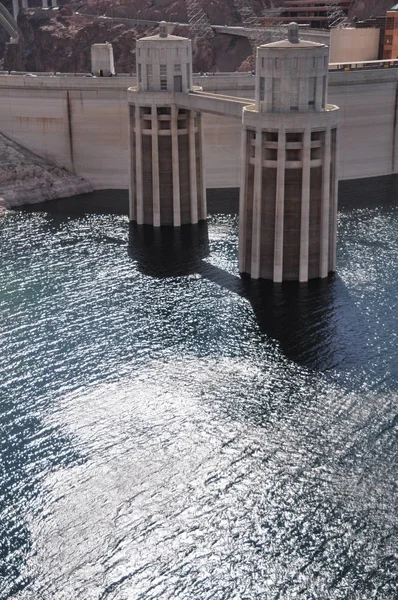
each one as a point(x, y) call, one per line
point(293, 33)
point(291, 75)
point(164, 62)
point(163, 33)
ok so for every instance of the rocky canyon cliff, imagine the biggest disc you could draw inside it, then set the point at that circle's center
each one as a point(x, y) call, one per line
point(60, 40)
point(363, 9)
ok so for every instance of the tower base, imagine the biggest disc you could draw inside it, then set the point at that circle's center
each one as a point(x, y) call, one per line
point(166, 170)
point(288, 199)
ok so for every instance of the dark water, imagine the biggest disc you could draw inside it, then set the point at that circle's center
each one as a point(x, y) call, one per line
point(169, 431)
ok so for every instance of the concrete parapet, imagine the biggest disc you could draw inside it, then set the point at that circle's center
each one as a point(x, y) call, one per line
point(48, 82)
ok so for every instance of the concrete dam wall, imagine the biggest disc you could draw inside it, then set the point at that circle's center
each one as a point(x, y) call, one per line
point(80, 123)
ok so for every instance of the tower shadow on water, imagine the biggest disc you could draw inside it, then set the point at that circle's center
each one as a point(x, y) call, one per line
point(313, 322)
point(169, 251)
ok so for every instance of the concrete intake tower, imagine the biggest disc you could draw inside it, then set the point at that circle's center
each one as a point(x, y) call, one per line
point(288, 198)
point(166, 169)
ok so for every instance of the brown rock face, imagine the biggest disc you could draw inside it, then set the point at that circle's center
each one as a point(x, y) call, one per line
point(61, 40)
point(363, 9)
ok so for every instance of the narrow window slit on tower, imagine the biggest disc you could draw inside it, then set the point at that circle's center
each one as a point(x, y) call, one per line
point(163, 77)
point(294, 95)
point(324, 92)
point(149, 77)
point(262, 88)
point(311, 91)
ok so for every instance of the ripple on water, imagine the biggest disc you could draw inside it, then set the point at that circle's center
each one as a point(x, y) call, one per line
point(171, 432)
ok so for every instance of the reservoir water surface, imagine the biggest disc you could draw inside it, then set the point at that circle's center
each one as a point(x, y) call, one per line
point(171, 431)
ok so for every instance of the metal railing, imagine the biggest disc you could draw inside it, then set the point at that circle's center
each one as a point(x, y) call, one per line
point(235, 74)
point(364, 65)
point(343, 66)
point(58, 74)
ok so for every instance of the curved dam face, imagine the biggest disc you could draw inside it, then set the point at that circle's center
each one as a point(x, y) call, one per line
point(81, 124)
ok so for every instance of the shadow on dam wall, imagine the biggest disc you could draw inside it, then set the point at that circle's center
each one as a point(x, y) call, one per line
point(355, 193)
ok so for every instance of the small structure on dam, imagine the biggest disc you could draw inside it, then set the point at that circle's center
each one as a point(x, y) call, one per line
point(102, 63)
point(288, 203)
point(166, 176)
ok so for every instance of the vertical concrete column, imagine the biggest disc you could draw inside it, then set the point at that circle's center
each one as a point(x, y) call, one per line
point(394, 150)
point(188, 74)
point(203, 211)
point(15, 8)
point(138, 164)
point(334, 200)
point(257, 198)
point(325, 206)
point(176, 167)
point(155, 167)
point(54, 3)
point(192, 167)
point(25, 4)
point(280, 207)
point(305, 206)
point(44, 3)
point(258, 74)
point(131, 165)
point(242, 201)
